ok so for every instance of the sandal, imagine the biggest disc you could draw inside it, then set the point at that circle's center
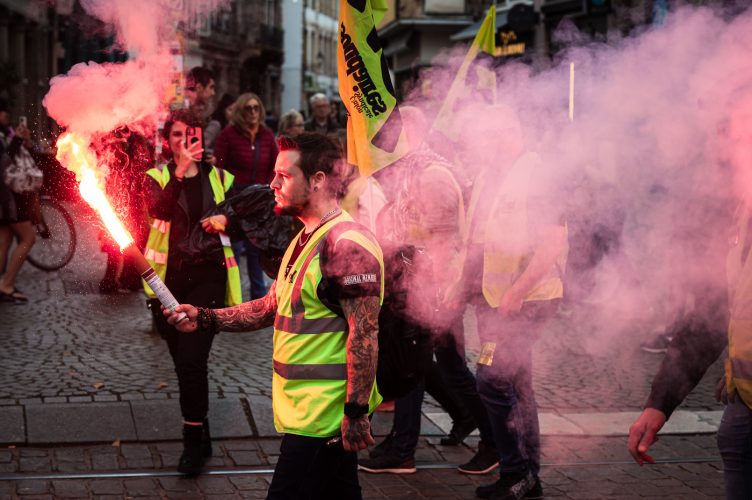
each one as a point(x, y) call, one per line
point(16, 296)
point(19, 296)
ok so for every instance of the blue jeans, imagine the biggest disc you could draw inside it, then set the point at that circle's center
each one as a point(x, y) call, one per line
point(735, 445)
point(255, 273)
point(506, 384)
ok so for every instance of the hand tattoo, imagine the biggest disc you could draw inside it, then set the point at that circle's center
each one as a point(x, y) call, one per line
point(362, 315)
point(356, 433)
point(252, 315)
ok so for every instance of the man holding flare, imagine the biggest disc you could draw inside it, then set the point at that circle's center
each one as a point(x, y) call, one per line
point(324, 306)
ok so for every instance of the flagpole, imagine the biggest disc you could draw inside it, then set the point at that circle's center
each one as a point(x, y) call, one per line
point(571, 91)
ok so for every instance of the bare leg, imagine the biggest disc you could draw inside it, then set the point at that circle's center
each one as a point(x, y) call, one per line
point(6, 237)
point(26, 237)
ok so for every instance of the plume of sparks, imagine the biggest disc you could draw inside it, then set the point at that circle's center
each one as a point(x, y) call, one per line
point(74, 154)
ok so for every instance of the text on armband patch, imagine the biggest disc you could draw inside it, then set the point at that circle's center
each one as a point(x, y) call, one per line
point(357, 279)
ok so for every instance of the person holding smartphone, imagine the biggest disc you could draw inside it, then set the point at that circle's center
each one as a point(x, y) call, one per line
point(180, 192)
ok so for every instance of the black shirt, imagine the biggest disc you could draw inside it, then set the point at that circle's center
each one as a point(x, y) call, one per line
point(193, 196)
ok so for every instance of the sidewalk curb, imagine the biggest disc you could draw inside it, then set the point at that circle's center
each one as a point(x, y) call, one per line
point(147, 421)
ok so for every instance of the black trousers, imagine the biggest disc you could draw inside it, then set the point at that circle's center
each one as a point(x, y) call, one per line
point(204, 287)
point(309, 468)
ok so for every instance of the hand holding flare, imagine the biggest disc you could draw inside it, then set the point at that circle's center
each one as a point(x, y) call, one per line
point(73, 153)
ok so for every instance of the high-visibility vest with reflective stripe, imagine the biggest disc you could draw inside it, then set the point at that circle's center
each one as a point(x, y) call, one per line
point(157, 245)
point(507, 242)
point(739, 274)
point(310, 351)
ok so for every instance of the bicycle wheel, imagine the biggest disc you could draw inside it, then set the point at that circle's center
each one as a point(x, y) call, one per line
point(56, 240)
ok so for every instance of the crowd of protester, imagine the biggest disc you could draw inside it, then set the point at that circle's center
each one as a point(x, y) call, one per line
point(423, 206)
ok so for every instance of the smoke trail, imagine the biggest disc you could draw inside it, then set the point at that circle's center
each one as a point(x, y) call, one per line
point(642, 174)
point(95, 97)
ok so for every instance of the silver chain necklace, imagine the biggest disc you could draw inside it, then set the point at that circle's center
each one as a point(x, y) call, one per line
point(324, 219)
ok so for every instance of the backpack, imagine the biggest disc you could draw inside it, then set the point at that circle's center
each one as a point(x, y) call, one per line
point(22, 174)
point(405, 349)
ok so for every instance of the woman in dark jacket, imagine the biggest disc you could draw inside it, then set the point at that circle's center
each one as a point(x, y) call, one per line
point(248, 150)
point(180, 193)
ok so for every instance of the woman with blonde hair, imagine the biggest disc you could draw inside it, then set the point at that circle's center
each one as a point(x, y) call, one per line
point(247, 149)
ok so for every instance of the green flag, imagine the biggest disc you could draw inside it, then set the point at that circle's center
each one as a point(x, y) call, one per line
point(485, 41)
point(375, 137)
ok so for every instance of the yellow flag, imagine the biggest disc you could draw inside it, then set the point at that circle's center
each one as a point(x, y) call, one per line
point(375, 136)
point(485, 41)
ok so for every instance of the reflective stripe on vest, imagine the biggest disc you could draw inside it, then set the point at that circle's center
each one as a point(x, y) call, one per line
point(156, 257)
point(311, 372)
point(162, 226)
point(157, 244)
point(309, 382)
point(299, 324)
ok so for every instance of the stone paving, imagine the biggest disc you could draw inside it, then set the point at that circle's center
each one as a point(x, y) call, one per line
point(71, 351)
point(575, 468)
point(70, 344)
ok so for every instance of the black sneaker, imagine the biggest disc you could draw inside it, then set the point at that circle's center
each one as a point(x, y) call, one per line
point(460, 430)
point(486, 491)
point(515, 486)
point(657, 345)
point(484, 461)
point(388, 463)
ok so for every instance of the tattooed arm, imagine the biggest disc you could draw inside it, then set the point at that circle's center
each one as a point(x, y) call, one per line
point(362, 315)
point(252, 315)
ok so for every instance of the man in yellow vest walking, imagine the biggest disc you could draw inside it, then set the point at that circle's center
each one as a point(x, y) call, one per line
point(516, 246)
point(324, 306)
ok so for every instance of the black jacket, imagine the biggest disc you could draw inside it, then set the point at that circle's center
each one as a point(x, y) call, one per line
point(170, 204)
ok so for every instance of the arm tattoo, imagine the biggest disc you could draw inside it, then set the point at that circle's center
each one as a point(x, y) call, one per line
point(362, 315)
point(252, 315)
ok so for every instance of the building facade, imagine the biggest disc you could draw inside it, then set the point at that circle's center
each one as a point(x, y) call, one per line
point(241, 43)
point(310, 52)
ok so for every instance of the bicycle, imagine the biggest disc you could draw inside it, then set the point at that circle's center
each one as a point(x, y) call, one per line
point(56, 242)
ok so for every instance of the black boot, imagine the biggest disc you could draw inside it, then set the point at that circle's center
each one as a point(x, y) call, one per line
point(192, 459)
point(206, 445)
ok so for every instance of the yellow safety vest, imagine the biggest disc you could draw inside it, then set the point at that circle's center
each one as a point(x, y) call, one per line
point(310, 353)
point(739, 274)
point(157, 245)
point(506, 239)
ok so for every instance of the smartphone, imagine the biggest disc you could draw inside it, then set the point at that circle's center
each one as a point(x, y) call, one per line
point(23, 122)
point(193, 136)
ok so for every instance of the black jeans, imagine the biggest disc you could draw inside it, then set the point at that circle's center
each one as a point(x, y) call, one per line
point(203, 287)
point(309, 468)
point(452, 384)
point(450, 355)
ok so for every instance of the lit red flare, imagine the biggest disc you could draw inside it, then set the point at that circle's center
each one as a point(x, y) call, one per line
point(74, 154)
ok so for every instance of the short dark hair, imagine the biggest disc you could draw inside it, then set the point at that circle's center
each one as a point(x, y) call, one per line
point(319, 153)
point(197, 75)
point(186, 116)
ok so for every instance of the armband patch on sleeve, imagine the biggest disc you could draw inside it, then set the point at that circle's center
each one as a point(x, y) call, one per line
point(357, 279)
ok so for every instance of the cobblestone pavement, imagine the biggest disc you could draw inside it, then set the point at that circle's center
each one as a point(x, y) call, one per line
point(70, 344)
point(577, 468)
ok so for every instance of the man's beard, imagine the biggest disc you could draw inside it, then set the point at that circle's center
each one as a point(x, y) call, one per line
point(292, 210)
